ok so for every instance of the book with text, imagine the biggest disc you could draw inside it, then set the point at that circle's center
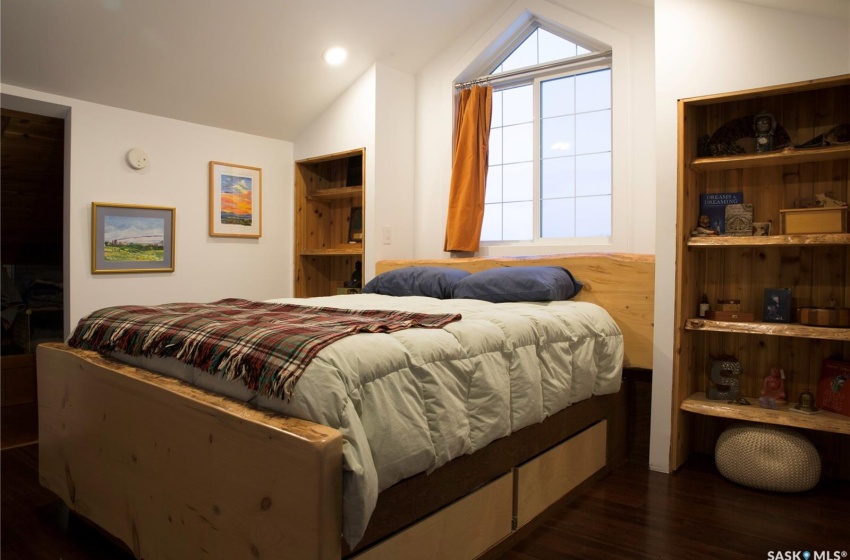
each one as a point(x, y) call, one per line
point(713, 205)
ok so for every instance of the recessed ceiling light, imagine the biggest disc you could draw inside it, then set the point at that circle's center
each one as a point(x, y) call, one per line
point(335, 56)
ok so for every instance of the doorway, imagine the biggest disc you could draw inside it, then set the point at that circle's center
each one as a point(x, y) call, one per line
point(31, 251)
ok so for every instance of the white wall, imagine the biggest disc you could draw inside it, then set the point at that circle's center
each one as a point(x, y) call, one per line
point(375, 113)
point(628, 28)
point(706, 47)
point(206, 268)
point(394, 164)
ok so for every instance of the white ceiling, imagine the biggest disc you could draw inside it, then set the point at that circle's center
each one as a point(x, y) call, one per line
point(248, 65)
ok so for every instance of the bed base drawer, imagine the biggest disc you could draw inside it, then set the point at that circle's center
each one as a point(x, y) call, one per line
point(474, 524)
point(460, 531)
point(543, 480)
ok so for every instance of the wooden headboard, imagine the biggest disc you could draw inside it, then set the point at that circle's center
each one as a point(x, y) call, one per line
point(623, 284)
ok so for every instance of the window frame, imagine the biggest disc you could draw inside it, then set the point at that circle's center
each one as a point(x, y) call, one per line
point(597, 59)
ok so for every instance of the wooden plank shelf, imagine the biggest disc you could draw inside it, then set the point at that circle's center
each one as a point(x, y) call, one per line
point(355, 249)
point(770, 240)
point(775, 329)
point(824, 420)
point(336, 193)
point(788, 156)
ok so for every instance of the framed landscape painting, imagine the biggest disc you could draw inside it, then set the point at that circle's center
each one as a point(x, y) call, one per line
point(130, 238)
point(235, 200)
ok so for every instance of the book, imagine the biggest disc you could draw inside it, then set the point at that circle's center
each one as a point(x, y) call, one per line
point(739, 219)
point(714, 205)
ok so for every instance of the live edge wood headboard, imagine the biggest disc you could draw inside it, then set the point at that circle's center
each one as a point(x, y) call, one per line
point(623, 284)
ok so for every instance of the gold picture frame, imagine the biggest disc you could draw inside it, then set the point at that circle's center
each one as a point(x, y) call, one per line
point(236, 200)
point(132, 238)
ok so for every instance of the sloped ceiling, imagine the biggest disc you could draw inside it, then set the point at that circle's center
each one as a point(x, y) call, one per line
point(247, 65)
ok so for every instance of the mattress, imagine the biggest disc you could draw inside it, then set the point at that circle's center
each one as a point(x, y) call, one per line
point(409, 401)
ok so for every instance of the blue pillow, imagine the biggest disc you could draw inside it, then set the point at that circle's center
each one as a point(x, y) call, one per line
point(428, 281)
point(518, 283)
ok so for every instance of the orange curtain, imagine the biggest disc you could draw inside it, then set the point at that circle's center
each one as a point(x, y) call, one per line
point(469, 169)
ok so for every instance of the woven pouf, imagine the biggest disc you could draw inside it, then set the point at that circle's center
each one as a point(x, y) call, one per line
point(767, 457)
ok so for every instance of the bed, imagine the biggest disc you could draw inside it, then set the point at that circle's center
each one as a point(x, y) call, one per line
point(176, 470)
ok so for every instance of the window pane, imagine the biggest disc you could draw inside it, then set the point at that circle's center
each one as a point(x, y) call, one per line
point(496, 117)
point(557, 137)
point(553, 47)
point(518, 182)
point(517, 143)
point(557, 218)
point(518, 224)
point(557, 97)
point(495, 155)
point(524, 55)
point(493, 192)
point(572, 176)
point(593, 216)
point(491, 228)
point(557, 177)
point(517, 105)
point(593, 174)
point(593, 132)
point(593, 91)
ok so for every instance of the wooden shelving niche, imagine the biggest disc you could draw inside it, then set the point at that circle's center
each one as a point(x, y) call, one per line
point(816, 267)
point(326, 190)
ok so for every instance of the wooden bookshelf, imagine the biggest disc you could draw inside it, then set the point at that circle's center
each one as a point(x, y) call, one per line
point(816, 267)
point(326, 190)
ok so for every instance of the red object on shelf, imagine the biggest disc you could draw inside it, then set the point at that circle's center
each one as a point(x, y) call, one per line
point(834, 387)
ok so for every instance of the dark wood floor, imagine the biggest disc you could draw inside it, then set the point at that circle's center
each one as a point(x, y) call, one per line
point(632, 513)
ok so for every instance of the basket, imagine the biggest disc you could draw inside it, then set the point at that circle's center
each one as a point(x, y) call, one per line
point(767, 457)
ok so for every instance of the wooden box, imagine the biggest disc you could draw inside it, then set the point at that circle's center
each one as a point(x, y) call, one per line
point(825, 316)
point(813, 220)
point(734, 316)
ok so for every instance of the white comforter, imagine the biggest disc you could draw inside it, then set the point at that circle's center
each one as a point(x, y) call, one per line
point(410, 401)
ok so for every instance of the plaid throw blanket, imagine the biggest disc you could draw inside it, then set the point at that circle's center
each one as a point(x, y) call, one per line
point(266, 345)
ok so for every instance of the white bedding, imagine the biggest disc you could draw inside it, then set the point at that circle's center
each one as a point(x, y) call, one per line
point(410, 401)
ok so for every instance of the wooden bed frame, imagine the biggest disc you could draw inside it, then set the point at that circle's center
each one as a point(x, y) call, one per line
point(174, 471)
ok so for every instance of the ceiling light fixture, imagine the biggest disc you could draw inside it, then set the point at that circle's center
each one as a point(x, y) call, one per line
point(335, 56)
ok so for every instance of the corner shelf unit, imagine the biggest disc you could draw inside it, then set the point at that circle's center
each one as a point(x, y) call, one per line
point(815, 266)
point(326, 190)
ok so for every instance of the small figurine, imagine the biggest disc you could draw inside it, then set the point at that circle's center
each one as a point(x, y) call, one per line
point(774, 386)
point(356, 277)
point(764, 124)
point(704, 227)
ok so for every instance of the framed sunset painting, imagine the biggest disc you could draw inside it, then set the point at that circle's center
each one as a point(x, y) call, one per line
point(235, 200)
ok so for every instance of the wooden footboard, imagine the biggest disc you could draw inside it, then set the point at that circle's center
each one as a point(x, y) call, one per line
point(175, 472)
